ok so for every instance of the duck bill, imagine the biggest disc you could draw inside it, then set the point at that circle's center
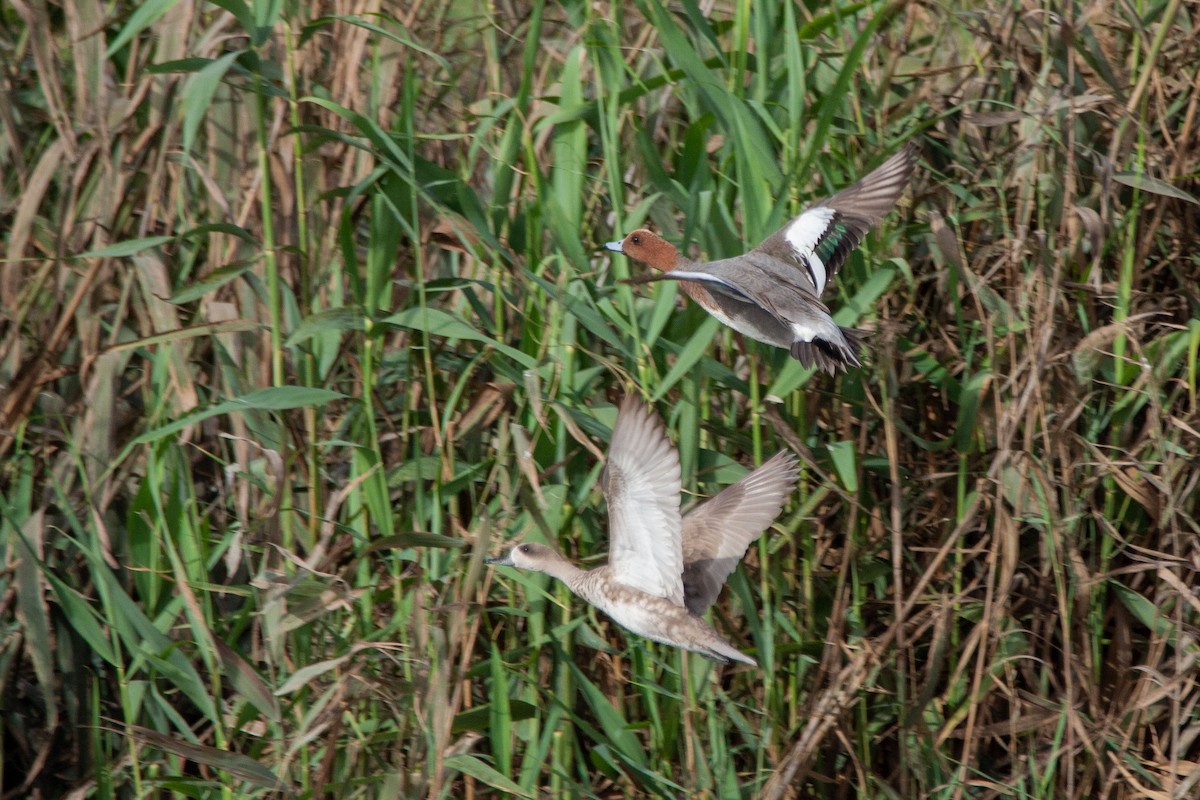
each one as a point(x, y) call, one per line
point(616, 246)
point(500, 561)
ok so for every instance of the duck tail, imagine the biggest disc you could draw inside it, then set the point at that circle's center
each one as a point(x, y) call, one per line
point(829, 354)
point(723, 652)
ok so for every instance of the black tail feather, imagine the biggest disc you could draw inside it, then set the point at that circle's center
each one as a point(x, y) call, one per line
point(832, 357)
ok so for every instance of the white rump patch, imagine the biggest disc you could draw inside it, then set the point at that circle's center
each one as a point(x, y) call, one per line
point(803, 333)
point(816, 268)
point(824, 329)
point(803, 235)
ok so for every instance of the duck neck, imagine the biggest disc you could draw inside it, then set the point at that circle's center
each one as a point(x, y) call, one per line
point(682, 262)
point(590, 585)
point(692, 289)
point(566, 572)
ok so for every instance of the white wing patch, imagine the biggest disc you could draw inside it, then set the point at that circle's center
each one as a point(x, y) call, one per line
point(803, 234)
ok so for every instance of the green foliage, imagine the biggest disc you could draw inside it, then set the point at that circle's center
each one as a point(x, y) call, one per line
point(302, 315)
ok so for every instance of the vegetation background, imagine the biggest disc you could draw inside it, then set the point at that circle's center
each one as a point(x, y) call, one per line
point(302, 315)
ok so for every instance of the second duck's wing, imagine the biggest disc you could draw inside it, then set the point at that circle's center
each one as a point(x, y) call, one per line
point(819, 240)
point(717, 532)
point(641, 484)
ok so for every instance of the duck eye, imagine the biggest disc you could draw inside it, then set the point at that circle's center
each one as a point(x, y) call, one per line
point(636, 239)
point(524, 548)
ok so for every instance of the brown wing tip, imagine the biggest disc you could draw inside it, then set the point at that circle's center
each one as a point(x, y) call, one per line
point(899, 166)
point(635, 415)
point(639, 431)
point(787, 463)
point(629, 404)
point(907, 155)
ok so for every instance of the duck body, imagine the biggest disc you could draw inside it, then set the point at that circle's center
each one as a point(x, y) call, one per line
point(769, 307)
point(654, 617)
point(666, 569)
point(773, 293)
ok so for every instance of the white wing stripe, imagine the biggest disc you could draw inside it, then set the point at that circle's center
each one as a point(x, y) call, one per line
point(816, 268)
point(700, 277)
point(807, 229)
point(803, 235)
point(721, 286)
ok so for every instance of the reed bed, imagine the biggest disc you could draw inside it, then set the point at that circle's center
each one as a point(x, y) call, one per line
point(303, 314)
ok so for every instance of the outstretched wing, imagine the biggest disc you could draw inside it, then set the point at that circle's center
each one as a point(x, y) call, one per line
point(820, 240)
point(641, 484)
point(717, 532)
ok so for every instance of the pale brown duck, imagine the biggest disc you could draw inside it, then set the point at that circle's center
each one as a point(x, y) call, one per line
point(664, 570)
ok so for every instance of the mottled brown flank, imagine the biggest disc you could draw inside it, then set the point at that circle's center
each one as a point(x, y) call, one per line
point(672, 624)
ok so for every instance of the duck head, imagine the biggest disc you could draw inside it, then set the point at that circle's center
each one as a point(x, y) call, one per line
point(528, 555)
point(647, 248)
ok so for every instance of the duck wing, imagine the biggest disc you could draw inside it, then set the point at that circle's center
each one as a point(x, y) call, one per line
point(819, 240)
point(641, 485)
point(758, 280)
point(717, 532)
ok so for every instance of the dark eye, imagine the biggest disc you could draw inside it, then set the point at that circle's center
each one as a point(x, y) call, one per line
point(636, 239)
point(524, 548)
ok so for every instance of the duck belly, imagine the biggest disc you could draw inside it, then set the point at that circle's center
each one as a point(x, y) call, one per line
point(644, 619)
point(750, 320)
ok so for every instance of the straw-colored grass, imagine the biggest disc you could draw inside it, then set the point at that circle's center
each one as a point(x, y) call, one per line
point(302, 314)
